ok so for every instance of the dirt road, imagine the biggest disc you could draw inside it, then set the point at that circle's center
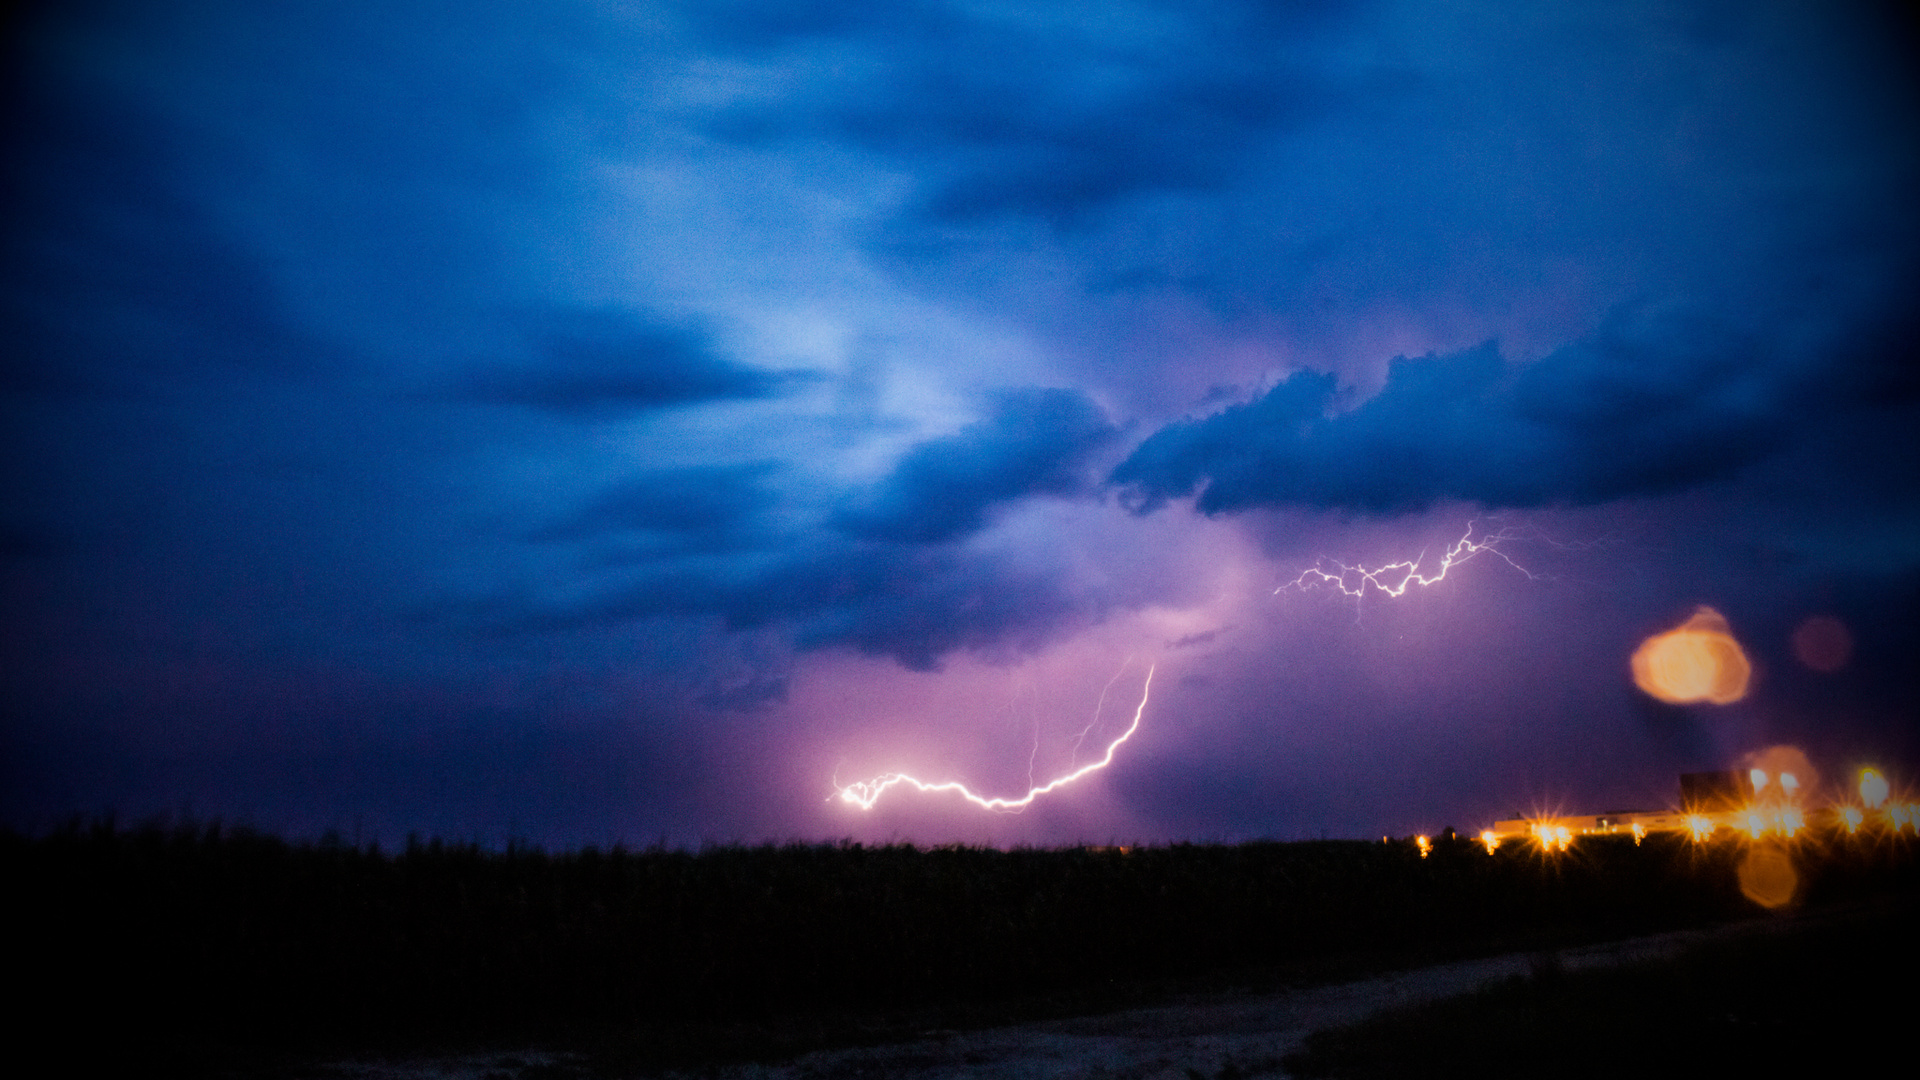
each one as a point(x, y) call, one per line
point(1240, 1035)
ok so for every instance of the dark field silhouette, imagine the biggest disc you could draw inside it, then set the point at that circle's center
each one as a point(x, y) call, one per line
point(1812, 997)
point(225, 949)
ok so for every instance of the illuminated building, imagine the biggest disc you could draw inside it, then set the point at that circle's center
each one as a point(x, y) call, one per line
point(1752, 804)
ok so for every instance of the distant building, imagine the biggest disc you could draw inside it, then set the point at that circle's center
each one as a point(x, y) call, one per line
point(1709, 801)
point(1755, 803)
point(1714, 792)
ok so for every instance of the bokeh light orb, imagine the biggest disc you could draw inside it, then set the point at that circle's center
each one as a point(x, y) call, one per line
point(1767, 876)
point(1699, 660)
point(1823, 643)
point(1787, 771)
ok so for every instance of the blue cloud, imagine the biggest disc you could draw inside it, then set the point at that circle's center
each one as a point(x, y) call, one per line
point(887, 581)
point(1649, 403)
point(1034, 442)
point(586, 363)
point(703, 500)
point(1051, 117)
point(113, 279)
point(914, 603)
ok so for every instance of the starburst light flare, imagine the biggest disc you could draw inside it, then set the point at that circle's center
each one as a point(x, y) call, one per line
point(865, 793)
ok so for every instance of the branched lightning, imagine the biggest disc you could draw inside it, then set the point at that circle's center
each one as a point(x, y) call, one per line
point(1394, 579)
point(1099, 707)
point(865, 793)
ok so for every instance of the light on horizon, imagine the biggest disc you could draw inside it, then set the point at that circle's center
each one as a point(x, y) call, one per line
point(1873, 788)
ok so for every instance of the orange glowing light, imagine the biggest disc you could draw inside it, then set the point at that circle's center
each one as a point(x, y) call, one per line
point(1756, 823)
point(1792, 820)
point(1853, 817)
point(1491, 840)
point(1552, 837)
point(1696, 661)
point(1873, 788)
point(1424, 844)
point(1767, 876)
point(1700, 827)
point(1779, 773)
point(1639, 833)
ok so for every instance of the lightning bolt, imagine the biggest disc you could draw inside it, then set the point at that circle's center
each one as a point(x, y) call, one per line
point(1396, 578)
point(865, 793)
point(1080, 739)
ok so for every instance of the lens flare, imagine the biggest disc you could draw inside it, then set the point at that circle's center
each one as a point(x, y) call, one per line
point(1792, 820)
point(1767, 876)
point(1696, 661)
point(865, 793)
point(1873, 788)
point(1823, 643)
point(1786, 771)
point(1551, 836)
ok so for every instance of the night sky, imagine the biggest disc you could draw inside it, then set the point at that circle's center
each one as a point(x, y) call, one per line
point(584, 422)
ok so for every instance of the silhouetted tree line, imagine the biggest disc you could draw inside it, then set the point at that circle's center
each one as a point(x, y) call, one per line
point(229, 935)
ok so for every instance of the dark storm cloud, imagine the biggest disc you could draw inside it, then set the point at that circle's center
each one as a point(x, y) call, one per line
point(588, 363)
point(1039, 113)
point(746, 694)
point(112, 278)
point(1650, 403)
point(397, 390)
point(23, 541)
point(709, 501)
point(914, 603)
point(1034, 442)
point(895, 577)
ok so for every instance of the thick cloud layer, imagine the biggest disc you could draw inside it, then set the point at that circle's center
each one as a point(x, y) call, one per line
point(892, 576)
point(1043, 114)
point(587, 363)
point(596, 418)
point(1034, 442)
point(1650, 404)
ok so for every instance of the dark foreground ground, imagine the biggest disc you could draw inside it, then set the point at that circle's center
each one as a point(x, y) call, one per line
point(1827, 993)
point(210, 951)
point(1595, 1010)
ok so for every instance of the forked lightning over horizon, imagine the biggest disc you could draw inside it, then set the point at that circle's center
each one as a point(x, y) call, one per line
point(865, 793)
point(1393, 579)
